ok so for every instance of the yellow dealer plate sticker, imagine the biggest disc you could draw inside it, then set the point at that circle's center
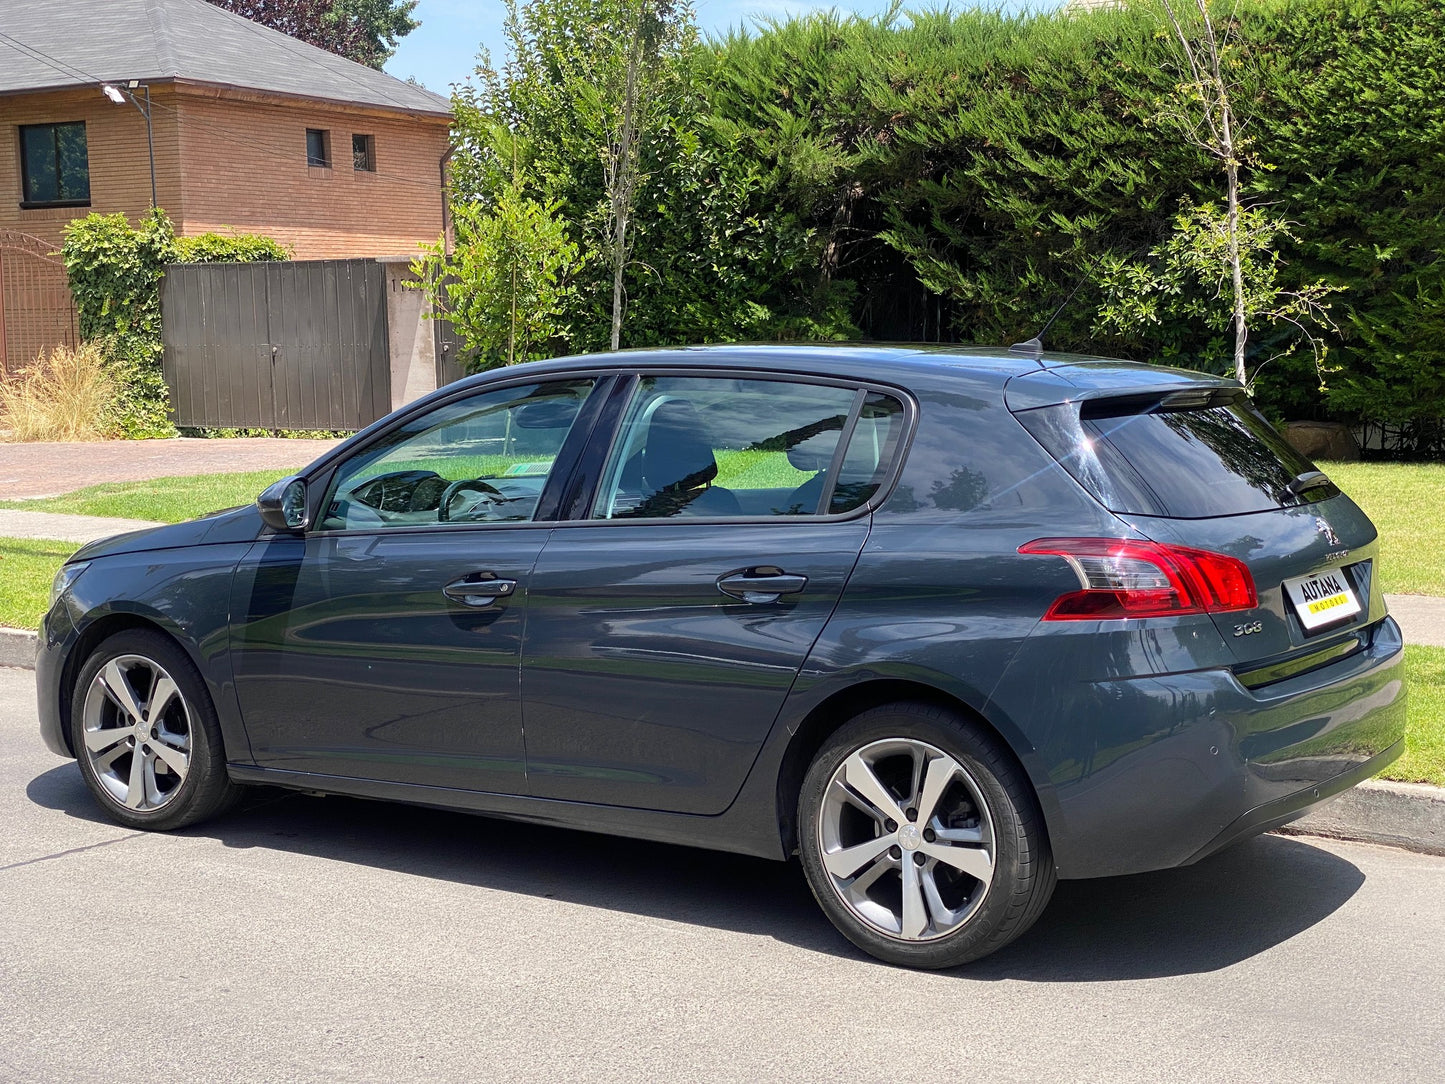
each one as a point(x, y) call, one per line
point(1322, 599)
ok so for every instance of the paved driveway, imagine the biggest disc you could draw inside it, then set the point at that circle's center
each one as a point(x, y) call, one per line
point(331, 939)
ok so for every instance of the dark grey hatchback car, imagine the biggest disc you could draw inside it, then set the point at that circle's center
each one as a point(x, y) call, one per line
point(947, 623)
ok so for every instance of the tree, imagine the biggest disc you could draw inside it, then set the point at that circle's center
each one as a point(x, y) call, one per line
point(362, 30)
point(647, 25)
point(376, 27)
point(506, 284)
point(1237, 243)
point(594, 80)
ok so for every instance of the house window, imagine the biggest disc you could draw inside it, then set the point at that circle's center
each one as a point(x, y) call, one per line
point(54, 167)
point(363, 153)
point(318, 147)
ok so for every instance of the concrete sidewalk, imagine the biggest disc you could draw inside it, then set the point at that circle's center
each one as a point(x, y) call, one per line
point(48, 469)
point(16, 523)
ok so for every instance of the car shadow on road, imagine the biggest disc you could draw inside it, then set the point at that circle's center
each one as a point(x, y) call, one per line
point(1219, 912)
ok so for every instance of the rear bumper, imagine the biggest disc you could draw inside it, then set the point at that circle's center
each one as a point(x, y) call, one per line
point(1201, 761)
point(1294, 806)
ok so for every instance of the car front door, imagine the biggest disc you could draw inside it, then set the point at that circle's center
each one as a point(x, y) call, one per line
point(385, 644)
point(667, 622)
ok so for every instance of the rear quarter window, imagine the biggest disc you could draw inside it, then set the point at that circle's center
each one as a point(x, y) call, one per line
point(1213, 456)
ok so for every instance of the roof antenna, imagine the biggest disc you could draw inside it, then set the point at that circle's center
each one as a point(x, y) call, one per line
point(1034, 348)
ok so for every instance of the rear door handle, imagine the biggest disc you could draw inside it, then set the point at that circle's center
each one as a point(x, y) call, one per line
point(763, 584)
point(479, 589)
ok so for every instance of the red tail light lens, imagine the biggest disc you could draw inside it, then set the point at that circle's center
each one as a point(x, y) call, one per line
point(1121, 577)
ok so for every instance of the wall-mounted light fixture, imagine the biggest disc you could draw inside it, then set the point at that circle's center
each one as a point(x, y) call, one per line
point(121, 95)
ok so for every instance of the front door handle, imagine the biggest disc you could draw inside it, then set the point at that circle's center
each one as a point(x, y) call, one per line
point(479, 589)
point(761, 585)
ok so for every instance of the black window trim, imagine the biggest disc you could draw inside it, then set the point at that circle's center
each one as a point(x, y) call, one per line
point(601, 449)
point(370, 156)
point(611, 393)
point(327, 156)
point(36, 205)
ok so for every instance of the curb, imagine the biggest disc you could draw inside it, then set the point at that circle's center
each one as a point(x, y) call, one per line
point(1408, 815)
point(17, 648)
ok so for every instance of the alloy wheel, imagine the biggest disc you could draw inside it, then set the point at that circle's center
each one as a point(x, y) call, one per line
point(906, 838)
point(137, 731)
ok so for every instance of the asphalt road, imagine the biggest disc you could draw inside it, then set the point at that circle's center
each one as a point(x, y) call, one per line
point(329, 939)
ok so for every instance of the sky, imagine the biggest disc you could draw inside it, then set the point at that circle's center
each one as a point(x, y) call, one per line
point(443, 50)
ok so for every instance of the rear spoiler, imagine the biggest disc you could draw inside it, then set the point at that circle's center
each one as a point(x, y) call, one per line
point(1131, 387)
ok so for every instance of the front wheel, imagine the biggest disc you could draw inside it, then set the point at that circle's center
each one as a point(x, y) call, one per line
point(921, 838)
point(146, 735)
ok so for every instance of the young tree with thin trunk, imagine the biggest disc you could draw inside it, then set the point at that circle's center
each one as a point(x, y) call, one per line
point(623, 102)
point(1215, 128)
point(1210, 247)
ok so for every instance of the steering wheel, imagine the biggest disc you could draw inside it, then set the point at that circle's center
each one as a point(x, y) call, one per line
point(490, 494)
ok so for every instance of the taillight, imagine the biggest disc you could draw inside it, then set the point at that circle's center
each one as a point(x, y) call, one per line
point(1122, 577)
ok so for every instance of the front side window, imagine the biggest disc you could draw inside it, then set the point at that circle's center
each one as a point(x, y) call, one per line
point(318, 147)
point(54, 165)
point(485, 459)
point(720, 447)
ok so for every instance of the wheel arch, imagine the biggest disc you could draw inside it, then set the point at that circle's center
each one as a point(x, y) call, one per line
point(845, 704)
point(92, 636)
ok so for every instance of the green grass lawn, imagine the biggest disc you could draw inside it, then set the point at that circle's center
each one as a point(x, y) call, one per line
point(27, 565)
point(1424, 759)
point(1407, 503)
point(167, 500)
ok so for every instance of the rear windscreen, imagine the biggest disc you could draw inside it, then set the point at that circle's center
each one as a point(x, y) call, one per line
point(1215, 457)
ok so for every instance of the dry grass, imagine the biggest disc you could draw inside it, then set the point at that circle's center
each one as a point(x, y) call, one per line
point(65, 396)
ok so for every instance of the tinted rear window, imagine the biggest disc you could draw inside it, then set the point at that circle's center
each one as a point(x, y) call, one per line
point(1220, 457)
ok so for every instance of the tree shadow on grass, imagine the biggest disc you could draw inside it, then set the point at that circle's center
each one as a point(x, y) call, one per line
point(1201, 918)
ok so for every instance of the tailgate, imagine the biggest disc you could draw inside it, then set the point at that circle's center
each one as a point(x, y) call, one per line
point(1327, 550)
point(1188, 461)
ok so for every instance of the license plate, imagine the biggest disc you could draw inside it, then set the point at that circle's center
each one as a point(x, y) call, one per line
point(1322, 599)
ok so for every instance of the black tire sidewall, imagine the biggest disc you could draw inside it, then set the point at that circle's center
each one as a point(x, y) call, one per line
point(205, 783)
point(1011, 806)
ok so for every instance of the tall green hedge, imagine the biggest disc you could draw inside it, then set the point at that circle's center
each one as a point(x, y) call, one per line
point(953, 175)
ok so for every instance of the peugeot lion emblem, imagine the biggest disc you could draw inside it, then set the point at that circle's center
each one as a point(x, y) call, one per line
point(1326, 530)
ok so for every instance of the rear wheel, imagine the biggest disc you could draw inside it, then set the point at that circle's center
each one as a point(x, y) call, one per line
point(146, 735)
point(921, 838)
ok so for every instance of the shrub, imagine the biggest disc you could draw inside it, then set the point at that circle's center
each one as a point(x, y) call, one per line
point(66, 396)
point(230, 247)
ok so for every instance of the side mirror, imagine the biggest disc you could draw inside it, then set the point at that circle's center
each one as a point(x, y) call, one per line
point(283, 504)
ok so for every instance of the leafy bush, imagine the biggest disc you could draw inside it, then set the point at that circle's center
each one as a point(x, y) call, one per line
point(115, 272)
point(230, 247)
point(66, 396)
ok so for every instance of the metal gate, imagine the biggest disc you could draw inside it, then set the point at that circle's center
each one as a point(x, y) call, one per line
point(37, 312)
point(287, 345)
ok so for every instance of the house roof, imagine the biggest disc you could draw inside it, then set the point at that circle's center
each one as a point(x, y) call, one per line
point(47, 44)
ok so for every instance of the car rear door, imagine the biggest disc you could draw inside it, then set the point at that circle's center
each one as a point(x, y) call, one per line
point(668, 619)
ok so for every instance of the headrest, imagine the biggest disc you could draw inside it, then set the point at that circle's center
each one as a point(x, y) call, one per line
point(815, 453)
point(677, 451)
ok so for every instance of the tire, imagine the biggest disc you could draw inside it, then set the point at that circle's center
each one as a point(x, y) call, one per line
point(156, 766)
point(952, 884)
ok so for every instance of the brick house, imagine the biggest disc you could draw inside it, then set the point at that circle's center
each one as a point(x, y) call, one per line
point(250, 129)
